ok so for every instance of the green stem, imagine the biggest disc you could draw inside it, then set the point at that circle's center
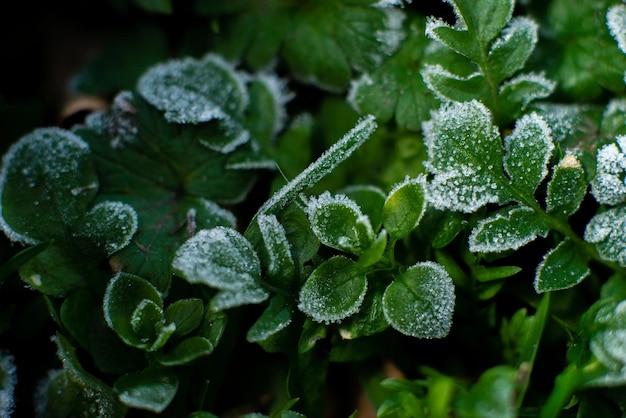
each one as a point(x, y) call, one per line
point(565, 385)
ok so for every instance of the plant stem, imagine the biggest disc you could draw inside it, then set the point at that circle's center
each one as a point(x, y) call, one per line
point(564, 386)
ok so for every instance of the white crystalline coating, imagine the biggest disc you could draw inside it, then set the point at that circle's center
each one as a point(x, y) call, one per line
point(391, 3)
point(528, 150)
point(432, 24)
point(8, 382)
point(518, 24)
point(501, 232)
point(615, 106)
point(568, 277)
point(393, 34)
point(54, 152)
point(616, 22)
point(281, 94)
point(114, 222)
point(539, 79)
point(276, 244)
point(564, 119)
point(215, 211)
point(609, 184)
point(195, 91)
point(433, 73)
point(608, 231)
point(420, 303)
point(249, 294)
point(365, 80)
point(326, 163)
point(219, 257)
point(609, 344)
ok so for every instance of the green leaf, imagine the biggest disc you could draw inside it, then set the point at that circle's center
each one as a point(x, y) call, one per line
point(448, 86)
point(487, 274)
point(186, 314)
point(151, 389)
point(74, 392)
point(370, 319)
point(508, 229)
point(607, 230)
point(517, 93)
point(275, 253)
point(54, 271)
point(396, 90)
point(458, 39)
point(133, 309)
point(333, 291)
point(110, 225)
point(562, 267)
point(483, 20)
point(19, 259)
point(213, 326)
point(608, 185)
point(493, 396)
point(420, 301)
point(223, 259)
point(404, 207)
point(567, 187)
point(339, 223)
point(312, 332)
point(276, 317)
point(185, 351)
point(326, 163)
point(509, 52)
point(464, 155)
point(47, 181)
point(527, 152)
point(370, 199)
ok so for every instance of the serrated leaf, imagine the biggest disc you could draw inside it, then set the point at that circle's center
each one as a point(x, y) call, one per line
point(185, 351)
point(333, 291)
point(219, 257)
point(74, 392)
point(464, 155)
point(607, 230)
point(396, 90)
point(152, 389)
point(483, 20)
point(527, 152)
point(517, 93)
point(404, 207)
point(47, 181)
point(187, 314)
point(110, 225)
point(562, 267)
point(567, 187)
point(509, 52)
point(133, 308)
point(609, 184)
point(508, 229)
point(457, 38)
point(420, 301)
point(276, 317)
point(339, 223)
point(448, 86)
point(278, 262)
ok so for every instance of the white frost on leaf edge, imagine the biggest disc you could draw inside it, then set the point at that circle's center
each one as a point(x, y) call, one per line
point(534, 78)
point(431, 70)
point(616, 22)
point(365, 80)
point(278, 89)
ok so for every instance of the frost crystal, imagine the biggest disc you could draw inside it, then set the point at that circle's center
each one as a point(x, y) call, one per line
point(544, 86)
point(616, 21)
point(524, 24)
point(110, 224)
point(8, 375)
point(281, 95)
point(608, 231)
point(609, 184)
point(392, 35)
point(565, 120)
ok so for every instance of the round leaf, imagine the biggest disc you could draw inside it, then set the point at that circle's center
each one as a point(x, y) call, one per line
point(151, 389)
point(420, 302)
point(405, 207)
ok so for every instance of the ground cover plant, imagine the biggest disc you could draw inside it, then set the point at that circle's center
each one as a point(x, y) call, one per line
point(324, 209)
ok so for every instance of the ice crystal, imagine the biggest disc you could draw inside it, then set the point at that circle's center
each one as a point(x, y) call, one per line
point(616, 21)
point(609, 184)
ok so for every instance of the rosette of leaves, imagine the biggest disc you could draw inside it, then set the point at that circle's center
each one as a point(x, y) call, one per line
point(322, 42)
point(498, 45)
point(472, 167)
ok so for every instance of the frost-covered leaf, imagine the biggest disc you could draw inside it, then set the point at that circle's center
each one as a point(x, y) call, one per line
point(187, 314)
point(223, 259)
point(73, 391)
point(333, 291)
point(567, 187)
point(616, 21)
point(509, 52)
point(614, 118)
point(448, 86)
point(152, 389)
point(607, 230)
point(197, 91)
point(465, 156)
point(275, 253)
point(133, 308)
point(326, 163)
point(276, 317)
point(562, 267)
point(455, 38)
point(185, 351)
point(266, 115)
point(8, 380)
point(508, 229)
point(527, 152)
point(370, 199)
point(370, 319)
point(321, 43)
point(396, 89)
point(420, 301)
point(46, 183)
point(339, 223)
point(609, 184)
point(405, 206)
point(483, 20)
point(110, 225)
point(516, 94)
